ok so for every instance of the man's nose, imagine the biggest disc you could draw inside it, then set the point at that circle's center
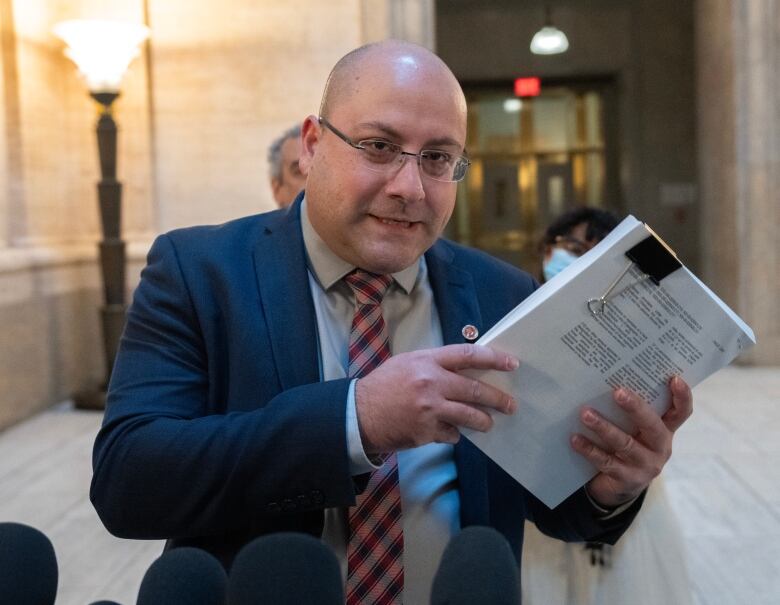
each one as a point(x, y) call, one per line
point(407, 181)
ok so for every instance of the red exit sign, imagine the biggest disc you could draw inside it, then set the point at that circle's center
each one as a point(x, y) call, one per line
point(528, 87)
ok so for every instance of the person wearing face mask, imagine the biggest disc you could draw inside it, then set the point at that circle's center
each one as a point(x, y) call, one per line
point(571, 235)
point(648, 565)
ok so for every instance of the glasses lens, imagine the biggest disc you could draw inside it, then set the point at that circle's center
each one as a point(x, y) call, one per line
point(437, 164)
point(459, 171)
point(379, 152)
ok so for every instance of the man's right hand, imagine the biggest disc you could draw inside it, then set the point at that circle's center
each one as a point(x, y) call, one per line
point(419, 397)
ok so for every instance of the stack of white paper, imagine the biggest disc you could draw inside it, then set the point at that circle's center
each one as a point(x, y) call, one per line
point(571, 357)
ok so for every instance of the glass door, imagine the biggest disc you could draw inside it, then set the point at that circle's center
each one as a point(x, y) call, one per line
point(532, 159)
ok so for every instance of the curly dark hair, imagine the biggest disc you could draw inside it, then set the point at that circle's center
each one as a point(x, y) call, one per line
point(599, 223)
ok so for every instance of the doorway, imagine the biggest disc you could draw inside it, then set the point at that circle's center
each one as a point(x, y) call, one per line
point(532, 159)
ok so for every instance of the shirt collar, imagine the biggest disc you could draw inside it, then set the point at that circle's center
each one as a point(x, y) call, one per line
point(328, 268)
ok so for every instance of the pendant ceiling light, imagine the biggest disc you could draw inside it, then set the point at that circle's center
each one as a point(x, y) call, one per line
point(549, 40)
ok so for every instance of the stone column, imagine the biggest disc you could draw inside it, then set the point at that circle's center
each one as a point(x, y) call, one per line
point(11, 190)
point(411, 20)
point(4, 152)
point(738, 85)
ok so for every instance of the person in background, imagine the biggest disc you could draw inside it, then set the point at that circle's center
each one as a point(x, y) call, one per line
point(647, 566)
point(287, 180)
point(571, 235)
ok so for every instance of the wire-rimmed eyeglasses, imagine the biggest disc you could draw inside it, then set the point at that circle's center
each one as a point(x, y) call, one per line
point(383, 156)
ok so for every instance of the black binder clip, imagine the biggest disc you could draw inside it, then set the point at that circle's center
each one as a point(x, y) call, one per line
point(655, 260)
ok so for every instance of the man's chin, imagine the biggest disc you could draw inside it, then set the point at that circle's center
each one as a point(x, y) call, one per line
point(388, 262)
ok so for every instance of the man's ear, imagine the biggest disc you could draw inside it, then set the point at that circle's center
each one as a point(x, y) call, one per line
point(310, 138)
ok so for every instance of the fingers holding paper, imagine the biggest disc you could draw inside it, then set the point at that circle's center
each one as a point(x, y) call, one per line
point(628, 463)
point(420, 397)
point(681, 406)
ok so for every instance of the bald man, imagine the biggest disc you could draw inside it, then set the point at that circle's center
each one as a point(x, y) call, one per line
point(302, 370)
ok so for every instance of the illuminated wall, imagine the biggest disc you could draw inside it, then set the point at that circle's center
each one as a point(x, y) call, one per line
point(215, 85)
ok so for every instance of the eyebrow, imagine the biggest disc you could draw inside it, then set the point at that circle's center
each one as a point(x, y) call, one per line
point(394, 134)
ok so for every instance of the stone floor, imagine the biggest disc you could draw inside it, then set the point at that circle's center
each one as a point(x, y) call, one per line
point(723, 483)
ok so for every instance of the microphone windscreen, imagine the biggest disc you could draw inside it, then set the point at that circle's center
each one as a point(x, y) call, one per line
point(184, 576)
point(28, 566)
point(477, 568)
point(285, 569)
point(104, 603)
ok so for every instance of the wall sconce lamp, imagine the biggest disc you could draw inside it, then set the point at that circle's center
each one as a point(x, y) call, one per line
point(102, 51)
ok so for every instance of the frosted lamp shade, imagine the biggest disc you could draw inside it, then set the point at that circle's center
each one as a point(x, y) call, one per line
point(549, 41)
point(102, 50)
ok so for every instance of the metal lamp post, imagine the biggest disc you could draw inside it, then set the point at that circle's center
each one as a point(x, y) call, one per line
point(102, 51)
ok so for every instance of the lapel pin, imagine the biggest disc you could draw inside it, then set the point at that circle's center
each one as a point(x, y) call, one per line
point(470, 332)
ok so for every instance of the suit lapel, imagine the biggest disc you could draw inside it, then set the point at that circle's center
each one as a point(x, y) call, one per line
point(457, 304)
point(453, 291)
point(282, 278)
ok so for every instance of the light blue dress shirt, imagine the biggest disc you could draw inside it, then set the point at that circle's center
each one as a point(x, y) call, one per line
point(427, 475)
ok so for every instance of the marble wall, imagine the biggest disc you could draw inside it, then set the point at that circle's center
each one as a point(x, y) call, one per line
point(738, 81)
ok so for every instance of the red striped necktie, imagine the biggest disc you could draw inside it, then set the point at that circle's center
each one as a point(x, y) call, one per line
point(375, 573)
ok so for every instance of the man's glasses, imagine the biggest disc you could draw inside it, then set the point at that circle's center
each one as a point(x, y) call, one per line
point(384, 156)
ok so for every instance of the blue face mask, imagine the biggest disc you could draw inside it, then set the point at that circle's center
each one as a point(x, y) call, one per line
point(559, 260)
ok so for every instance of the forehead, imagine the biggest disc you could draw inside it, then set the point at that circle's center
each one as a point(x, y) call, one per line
point(579, 231)
point(418, 100)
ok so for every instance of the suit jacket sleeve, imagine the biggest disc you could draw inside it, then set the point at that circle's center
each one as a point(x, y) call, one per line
point(172, 461)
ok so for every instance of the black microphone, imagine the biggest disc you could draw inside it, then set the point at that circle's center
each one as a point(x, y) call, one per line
point(477, 568)
point(184, 576)
point(28, 566)
point(285, 569)
point(104, 603)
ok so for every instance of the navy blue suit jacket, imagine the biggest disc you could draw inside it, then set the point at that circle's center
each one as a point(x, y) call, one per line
point(218, 428)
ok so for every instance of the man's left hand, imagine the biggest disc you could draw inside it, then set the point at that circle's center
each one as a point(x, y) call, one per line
point(628, 463)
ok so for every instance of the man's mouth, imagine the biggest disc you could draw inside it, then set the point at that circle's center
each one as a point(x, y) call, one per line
point(394, 222)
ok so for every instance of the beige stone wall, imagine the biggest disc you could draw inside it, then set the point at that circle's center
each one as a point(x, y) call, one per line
point(5, 31)
point(57, 150)
point(226, 83)
point(412, 20)
point(215, 85)
point(49, 281)
point(738, 42)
